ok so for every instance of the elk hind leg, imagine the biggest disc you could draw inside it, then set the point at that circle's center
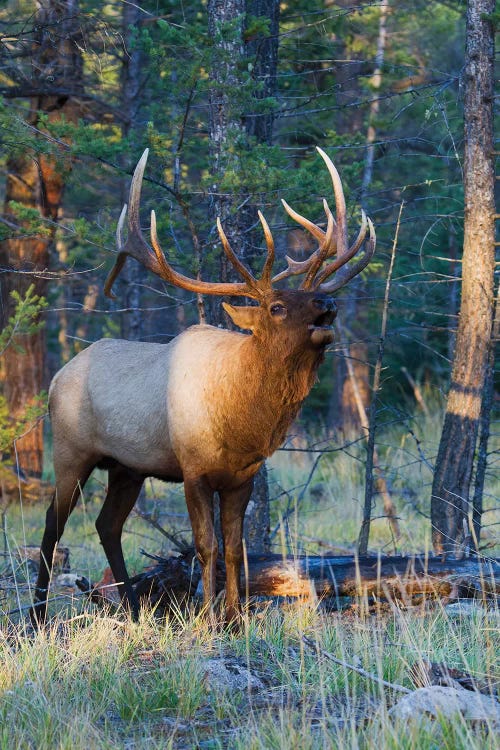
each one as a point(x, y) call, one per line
point(69, 484)
point(123, 490)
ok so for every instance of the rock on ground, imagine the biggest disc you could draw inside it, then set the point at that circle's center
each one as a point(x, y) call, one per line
point(229, 675)
point(437, 700)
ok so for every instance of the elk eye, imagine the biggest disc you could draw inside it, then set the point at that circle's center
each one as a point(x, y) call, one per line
point(278, 309)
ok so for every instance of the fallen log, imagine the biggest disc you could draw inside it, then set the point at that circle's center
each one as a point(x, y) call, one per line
point(397, 577)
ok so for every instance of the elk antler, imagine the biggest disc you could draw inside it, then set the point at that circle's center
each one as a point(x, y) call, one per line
point(154, 258)
point(333, 241)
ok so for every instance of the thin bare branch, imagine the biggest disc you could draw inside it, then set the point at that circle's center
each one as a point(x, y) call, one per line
point(359, 670)
point(370, 450)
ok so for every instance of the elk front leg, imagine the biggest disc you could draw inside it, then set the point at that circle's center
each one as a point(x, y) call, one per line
point(233, 504)
point(200, 505)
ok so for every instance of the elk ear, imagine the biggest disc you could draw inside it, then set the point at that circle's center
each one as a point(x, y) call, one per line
point(243, 317)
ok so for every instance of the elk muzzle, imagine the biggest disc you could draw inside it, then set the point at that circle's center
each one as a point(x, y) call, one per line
point(321, 328)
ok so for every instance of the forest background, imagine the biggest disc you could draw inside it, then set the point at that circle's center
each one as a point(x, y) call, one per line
point(232, 99)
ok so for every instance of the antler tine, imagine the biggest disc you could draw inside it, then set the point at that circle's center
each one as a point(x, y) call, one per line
point(166, 272)
point(343, 259)
point(324, 251)
point(113, 275)
point(233, 258)
point(328, 212)
point(119, 226)
point(348, 272)
point(294, 268)
point(122, 256)
point(268, 265)
point(316, 232)
point(135, 244)
point(134, 198)
point(339, 202)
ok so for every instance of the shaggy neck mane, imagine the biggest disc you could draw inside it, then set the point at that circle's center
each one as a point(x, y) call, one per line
point(262, 394)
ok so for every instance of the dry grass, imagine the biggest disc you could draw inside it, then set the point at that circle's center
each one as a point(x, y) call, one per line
point(92, 681)
point(95, 681)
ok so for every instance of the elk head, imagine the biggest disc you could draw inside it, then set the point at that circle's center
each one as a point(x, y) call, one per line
point(324, 272)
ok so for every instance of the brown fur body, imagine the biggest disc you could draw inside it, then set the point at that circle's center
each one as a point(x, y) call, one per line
point(205, 409)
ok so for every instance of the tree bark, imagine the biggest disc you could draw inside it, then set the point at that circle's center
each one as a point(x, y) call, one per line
point(228, 129)
point(452, 477)
point(38, 183)
point(132, 275)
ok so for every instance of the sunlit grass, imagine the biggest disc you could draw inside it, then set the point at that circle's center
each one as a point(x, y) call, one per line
point(91, 680)
point(146, 685)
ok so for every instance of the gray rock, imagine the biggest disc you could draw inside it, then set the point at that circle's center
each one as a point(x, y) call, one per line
point(229, 675)
point(437, 700)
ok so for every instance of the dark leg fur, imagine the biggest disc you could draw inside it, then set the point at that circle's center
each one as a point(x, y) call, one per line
point(123, 491)
point(58, 512)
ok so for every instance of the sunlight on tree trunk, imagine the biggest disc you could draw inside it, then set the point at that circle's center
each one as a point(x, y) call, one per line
point(453, 471)
point(484, 427)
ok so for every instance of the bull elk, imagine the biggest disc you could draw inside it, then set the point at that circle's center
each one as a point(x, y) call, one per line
point(205, 409)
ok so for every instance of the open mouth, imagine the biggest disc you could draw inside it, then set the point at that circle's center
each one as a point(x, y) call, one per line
point(323, 322)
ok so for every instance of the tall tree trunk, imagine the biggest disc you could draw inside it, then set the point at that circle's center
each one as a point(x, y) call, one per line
point(376, 82)
point(263, 51)
point(452, 476)
point(484, 426)
point(132, 275)
point(228, 126)
point(225, 27)
point(37, 182)
point(346, 414)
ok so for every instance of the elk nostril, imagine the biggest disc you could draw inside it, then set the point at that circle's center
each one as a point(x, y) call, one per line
point(326, 304)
